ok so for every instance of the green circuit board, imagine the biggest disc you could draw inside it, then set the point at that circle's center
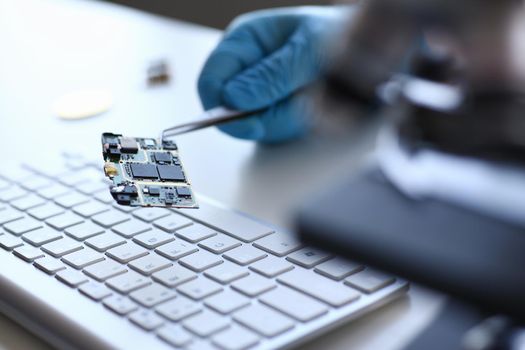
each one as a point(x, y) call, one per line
point(146, 172)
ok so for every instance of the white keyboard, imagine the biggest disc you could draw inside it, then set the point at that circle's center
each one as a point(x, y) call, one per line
point(198, 279)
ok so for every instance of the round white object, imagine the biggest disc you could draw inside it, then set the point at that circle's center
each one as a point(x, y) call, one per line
point(83, 104)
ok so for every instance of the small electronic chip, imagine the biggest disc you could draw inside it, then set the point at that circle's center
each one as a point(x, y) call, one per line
point(128, 145)
point(183, 192)
point(170, 172)
point(163, 157)
point(169, 145)
point(154, 191)
point(146, 172)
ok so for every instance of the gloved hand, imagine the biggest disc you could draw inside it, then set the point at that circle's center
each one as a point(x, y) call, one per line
point(263, 61)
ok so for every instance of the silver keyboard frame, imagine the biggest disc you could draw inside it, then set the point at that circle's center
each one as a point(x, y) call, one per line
point(68, 320)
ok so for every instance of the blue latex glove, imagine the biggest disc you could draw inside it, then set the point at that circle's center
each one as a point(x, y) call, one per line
point(263, 61)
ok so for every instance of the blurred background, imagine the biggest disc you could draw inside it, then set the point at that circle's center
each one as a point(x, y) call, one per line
point(215, 14)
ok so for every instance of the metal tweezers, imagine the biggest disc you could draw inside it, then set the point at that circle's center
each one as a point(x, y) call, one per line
point(211, 117)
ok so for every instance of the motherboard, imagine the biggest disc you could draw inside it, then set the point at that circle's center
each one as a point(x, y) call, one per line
point(146, 172)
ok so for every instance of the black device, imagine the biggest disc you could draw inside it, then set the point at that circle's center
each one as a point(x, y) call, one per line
point(444, 246)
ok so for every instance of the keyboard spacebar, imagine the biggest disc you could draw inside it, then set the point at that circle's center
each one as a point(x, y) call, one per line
point(229, 222)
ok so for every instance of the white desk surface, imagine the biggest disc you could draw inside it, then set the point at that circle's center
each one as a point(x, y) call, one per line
point(52, 47)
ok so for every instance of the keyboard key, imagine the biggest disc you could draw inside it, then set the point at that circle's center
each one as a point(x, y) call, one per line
point(206, 323)
point(48, 169)
point(95, 290)
point(28, 202)
point(308, 257)
point(200, 261)
point(35, 182)
point(46, 211)
point(71, 199)
point(219, 243)
point(235, 338)
point(178, 309)
point(104, 197)
point(90, 208)
point(105, 269)
point(42, 172)
point(12, 193)
point(120, 304)
point(172, 222)
point(84, 231)
point(318, 287)
point(49, 265)
point(152, 295)
point(92, 186)
point(369, 281)
point(41, 166)
point(271, 266)
point(105, 241)
point(73, 163)
point(63, 221)
point(22, 226)
point(245, 255)
point(153, 239)
point(174, 276)
point(28, 253)
point(83, 258)
point(150, 214)
point(176, 250)
point(226, 272)
point(61, 247)
point(338, 268)
point(127, 252)
point(131, 228)
point(253, 285)
point(110, 218)
point(146, 319)
point(294, 304)
point(78, 177)
point(124, 208)
point(70, 277)
point(199, 288)
point(200, 344)
point(41, 236)
point(235, 225)
point(16, 172)
point(53, 191)
point(9, 215)
point(128, 282)
point(195, 233)
point(174, 335)
point(227, 301)
point(263, 320)
point(10, 242)
point(279, 244)
point(150, 263)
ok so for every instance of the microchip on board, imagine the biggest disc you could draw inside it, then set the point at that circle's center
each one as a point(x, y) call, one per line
point(128, 145)
point(146, 172)
point(163, 157)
